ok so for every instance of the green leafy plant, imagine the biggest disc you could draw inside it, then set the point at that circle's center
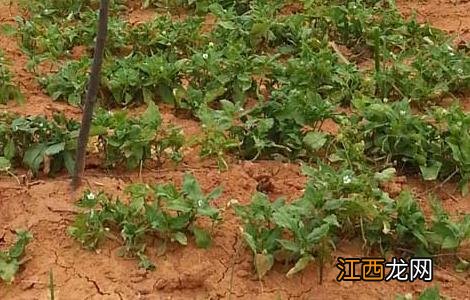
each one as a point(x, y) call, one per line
point(128, 81)
point(260, 233)
point(216, 140)
point(11, 259)
point(8, 89)
point(51, 29)
point(132, 141)
point(431, 142)
point(337, 204)
point(435, 72)
point(166, 35)
point(446, 234)
point(164, 211)
point(69, 82)
point(38, 142)
point(305, 229)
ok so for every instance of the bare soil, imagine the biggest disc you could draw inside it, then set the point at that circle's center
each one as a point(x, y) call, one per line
point(451, 16)
point(46, 208)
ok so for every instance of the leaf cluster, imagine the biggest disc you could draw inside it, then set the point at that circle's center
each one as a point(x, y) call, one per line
point(39, 142)
point(11, 259)
point(338, 204)
point(161, 211)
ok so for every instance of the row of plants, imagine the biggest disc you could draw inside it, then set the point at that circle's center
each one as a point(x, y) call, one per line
point(51, 30)
point(260, 105)
point(257, 104)
point(50, 144)
point(341, 203)
point(337, 204)
point(411, 60)
point(44, 37)
point(435, 144)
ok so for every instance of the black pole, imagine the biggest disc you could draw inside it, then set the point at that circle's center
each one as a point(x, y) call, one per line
point(93, 86)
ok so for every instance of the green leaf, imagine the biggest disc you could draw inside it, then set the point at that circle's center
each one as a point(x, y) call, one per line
point(9, 261)
point(283, 219)
point(315, 140)
point(462, 266)
point(214, 93)
point(259, 29)
point(23, 238)
point(151, 117)
point(215, 193)
point(318, 233)
point(331, 220)
point(209, 211)
point(9, 151)
point(94, 131)
point(301, 264)
point(203, 238)
point(431, 172)
point(263, 263)
point(450, 242)
point(34, 156)
point(166, 94)
point(55, 149)
point(431, 293)
point(69, 162)
point(5, 164)
point(385, 175)
point(147, 95)
point(145, 262)
point(227, 25)
point(191, 187)
point(250, 241)
point(464, 187)
point(181, 238)
point(290, 246)
point(8, 270)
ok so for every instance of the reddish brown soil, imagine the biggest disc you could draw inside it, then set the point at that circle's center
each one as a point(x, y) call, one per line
point(224, 271)
point(452, 16)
